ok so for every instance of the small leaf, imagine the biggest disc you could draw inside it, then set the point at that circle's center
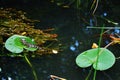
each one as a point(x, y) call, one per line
point(15, 45)
point(12, 46)
point(106, 59)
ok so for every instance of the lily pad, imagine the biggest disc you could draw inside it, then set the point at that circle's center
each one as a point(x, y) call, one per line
point(12, 46)
point(15, 45)
point(100, 58)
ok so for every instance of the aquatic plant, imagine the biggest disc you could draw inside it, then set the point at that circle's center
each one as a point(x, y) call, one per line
point(100, 58)
point(17, 43)
point(18, 35)
point(15, 22)
point(105, 60)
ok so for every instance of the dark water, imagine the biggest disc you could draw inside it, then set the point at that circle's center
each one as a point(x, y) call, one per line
point(70, 25)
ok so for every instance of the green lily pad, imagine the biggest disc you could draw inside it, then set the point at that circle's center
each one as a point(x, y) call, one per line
point(100, 58)
point(12, 46)
point(15, 45)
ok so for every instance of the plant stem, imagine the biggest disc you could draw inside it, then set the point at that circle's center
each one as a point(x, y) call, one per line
point(99, 52)
point(29, 63)
point(97, 1)
point(109, 44)
point(89, 74)
point(100, 39)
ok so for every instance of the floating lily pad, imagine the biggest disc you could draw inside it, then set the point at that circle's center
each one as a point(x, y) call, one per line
point(15, 45)
point(12, 46)
point(105, 60)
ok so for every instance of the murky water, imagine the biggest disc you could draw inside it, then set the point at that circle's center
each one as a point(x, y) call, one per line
point(74, 37)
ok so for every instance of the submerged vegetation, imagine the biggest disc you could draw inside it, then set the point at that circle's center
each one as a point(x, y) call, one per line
point(17, 33)
point(15, 22)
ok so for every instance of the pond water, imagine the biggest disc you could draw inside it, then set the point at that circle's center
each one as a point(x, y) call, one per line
point(75, 38)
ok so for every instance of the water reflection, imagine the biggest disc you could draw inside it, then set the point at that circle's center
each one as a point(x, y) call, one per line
point(75, 45)
point(105, 14)
point(117, 31)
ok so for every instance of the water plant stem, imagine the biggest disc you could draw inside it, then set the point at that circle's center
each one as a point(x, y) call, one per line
point(109, 44)
point(89, 74)
point(99, 43)
point(29, 63)
point(96, 5)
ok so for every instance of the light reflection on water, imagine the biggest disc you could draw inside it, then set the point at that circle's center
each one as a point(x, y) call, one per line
point(74, 45)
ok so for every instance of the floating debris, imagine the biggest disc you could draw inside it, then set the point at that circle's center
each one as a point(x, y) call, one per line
point(53, 77)
point(94, 45)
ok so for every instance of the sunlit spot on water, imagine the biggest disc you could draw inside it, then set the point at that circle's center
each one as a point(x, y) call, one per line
point(74, 45)
point(72, 48)
point(0, 69)
point(117, 31)
point(7, 78)
point(104, 14)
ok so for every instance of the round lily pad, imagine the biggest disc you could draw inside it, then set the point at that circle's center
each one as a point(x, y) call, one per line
point(15, 45)
point(12, 46)
point(100, 58)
